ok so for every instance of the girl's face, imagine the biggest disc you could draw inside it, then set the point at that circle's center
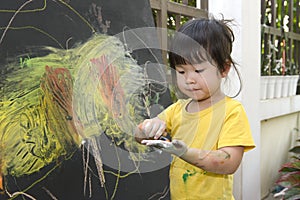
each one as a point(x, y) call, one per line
point(200, 81)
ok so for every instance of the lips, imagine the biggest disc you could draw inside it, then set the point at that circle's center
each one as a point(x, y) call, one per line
point(192, 89)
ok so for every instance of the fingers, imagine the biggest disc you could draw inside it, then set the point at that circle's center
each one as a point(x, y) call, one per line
point(161, 130)
point(157, 143)
point(139, 134)
point(175, 147)
point(153, 128)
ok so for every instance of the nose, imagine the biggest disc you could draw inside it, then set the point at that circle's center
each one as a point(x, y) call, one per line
point(190, 78)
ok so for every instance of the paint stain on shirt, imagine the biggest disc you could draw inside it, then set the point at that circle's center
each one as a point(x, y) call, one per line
point(187, 174)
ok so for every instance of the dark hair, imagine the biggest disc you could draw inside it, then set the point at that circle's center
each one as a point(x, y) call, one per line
point(201, 40)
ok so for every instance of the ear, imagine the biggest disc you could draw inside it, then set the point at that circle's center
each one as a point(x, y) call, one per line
point(227, 66)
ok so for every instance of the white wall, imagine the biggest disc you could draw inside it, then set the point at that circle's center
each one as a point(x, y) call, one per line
point(246, 52)
point(276, 139)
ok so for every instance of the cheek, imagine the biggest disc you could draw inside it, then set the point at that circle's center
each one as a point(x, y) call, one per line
point(212, 83)
point(209, 81)
point(180, 80)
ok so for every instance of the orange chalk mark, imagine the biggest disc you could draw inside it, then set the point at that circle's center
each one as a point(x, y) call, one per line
point(109, 81)
point(140, 126)
point(1, 182)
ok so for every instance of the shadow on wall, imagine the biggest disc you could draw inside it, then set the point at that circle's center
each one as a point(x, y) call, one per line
point(298, 86)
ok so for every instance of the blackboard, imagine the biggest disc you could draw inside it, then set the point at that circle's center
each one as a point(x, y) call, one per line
point(28, 25)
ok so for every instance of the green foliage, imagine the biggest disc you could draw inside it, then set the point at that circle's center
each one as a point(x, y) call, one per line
point(171, 24)
point(272, 46)
point(295, 149)
point(290, 175)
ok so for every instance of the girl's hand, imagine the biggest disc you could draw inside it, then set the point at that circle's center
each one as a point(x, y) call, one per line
point(153, 128)
point(176, 147)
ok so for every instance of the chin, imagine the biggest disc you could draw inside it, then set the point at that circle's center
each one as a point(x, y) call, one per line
point(200, 98)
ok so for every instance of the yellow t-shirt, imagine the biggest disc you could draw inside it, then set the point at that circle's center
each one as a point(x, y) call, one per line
point(223, 124)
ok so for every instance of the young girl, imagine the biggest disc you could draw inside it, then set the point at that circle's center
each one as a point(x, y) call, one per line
point(210, 131)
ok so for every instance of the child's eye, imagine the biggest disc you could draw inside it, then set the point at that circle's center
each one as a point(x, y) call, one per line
point(199, 70)
point(180, 72)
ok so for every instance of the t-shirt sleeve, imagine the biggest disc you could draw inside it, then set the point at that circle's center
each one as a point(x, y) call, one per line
point(168, 114)
point(236, 130)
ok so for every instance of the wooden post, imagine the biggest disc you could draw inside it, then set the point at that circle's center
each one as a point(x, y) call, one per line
point(163, 34)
